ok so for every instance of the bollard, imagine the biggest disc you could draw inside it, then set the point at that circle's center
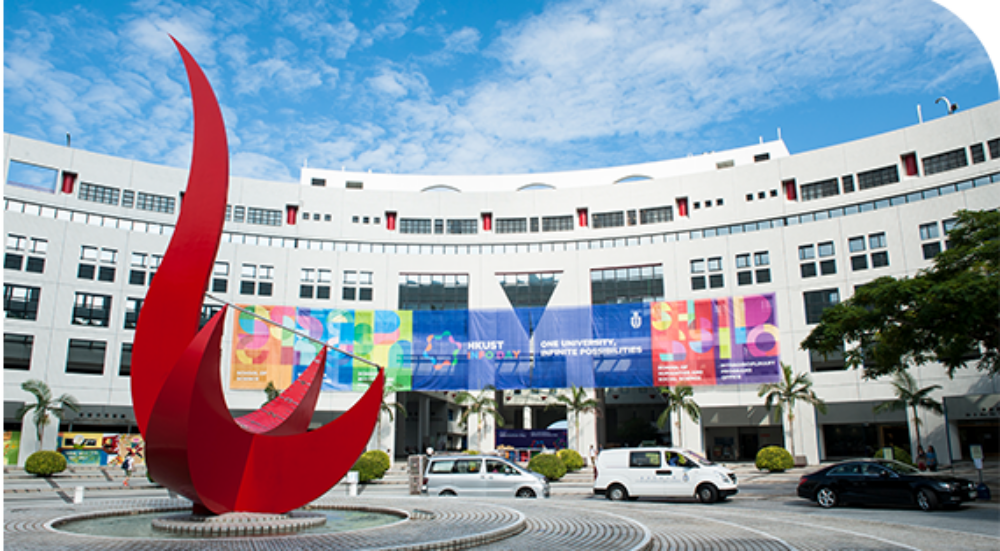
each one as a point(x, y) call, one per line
point(78, 495)
point(352, 483)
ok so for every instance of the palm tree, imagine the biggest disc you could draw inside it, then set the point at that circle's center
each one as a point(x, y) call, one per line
point(782, 397)
point(680, 400)
point(479, 405)
point(388, 408)
point(908, 395)
point(577, 403)
point(45, 408)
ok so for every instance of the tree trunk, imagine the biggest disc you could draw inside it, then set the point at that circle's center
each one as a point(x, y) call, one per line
point(916, 425)
point(791, 432)
point(677, 433)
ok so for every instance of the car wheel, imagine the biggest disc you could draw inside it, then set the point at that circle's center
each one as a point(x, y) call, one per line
point(827, 497)
point(927, 500)
point(447, 493)
point(617, 493)
point(525, 492)
point(707, 493)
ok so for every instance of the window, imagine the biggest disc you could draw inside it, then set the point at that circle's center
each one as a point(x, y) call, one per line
point(85, 357)
point(929, 231)
point(833, 361)
point(847, 182)
point(816, 302)
point(208, 311)
point(87, 269)
point(132, 307)
point(856, 244)
point(978, 153)
point(128, 199)
point(557, 223)
point(239, 213)
point(256, 277)
point(357, 285)
point(511, 225)
point(263, 217)
point(994, 146)
point(818, 190)
point(414, 225)
point(17, 351)
point(807, 252)
point(20, 302)
point(308, 279)
point(698, 266)
point(608, 219)
point(653, 215)
point(125, 361)
point(98, 194)
point(715, 280)
point(942, 162)
point(878, 177)
point(826, 249)
point(859, 262)
point(92, 309)
point(876, 241)
point(808, 269)
point(32, 177)
point(464, 227)
point(319, 182)
point(645, 460)
point(220, 277)
point(742, 261)
point(155, 203)
point(433, 291)
point(930, 250)
point(880, 259)
point(625, 285)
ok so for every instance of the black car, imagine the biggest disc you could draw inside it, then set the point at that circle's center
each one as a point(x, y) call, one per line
point(884, 481)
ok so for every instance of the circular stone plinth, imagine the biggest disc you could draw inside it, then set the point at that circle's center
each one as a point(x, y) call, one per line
point(237, 524)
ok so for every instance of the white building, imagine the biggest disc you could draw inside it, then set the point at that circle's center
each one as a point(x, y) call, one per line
point(85, 231)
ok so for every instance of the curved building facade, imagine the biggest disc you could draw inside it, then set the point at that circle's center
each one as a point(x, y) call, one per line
point(754, 225)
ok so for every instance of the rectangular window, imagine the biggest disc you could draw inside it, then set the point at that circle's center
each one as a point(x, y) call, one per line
point(155, 203)
point(125, 362)
point(263, 217)
point(994, 146)
point(929, 231)
point(132, 307)
point(859, 262)
point(808, 269)
point(239, 213)
point(349, 293)
point(818, 190)
point(13, 261)
point(742, 261)
point(463, 227)
point(220, 285)
point(557, 223)
point(137, 277)
point(715, 264)
point(21, 302)
point(98, 194)
point(876, 241)
point(878, 177)
point(828, 267)
point(762, 258)
point(265, 289)
point(85, 357)
point(698, 266)
point(807, 252)
point(656, 215)
point(511, 225)
point(825, 249)
point(35, 265)
point(414, 225)
point(716, 281)
point(92, 309)
point(816, 302)
point(321, 182)
point(744, 278)
point(106, 273)
point(856, 244)
point(697, 283)
point(17, 351)
point(847, 182)
point(433, 291)
point(438, 226)
point(33, 177)
point(609, 219)
point(931, 249)
point(880, 259)
point(833, 361)
point(247, 287)
point(305, 291)
point(978, 153)
point(943, 162)
point(128, 199)
point(763, 275)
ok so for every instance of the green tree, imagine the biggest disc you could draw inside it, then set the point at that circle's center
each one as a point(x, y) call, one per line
point(45, 407)
point(909, 396)
point(680, 400)
point(577, 403)
point(479, 405)
point(271, 392)
point(783, 395)
point(948, 313)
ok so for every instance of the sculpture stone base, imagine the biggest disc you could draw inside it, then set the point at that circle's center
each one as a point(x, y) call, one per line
point(239, 524)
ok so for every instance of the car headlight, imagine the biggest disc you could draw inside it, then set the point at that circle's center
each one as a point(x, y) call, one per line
point(946, 486)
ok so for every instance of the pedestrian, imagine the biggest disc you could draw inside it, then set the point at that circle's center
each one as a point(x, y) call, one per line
point(932, 463)
point(593, 456)
point(128, 465)
point(921, 458)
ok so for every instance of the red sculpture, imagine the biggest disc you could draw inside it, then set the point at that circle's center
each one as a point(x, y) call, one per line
point(263, 462)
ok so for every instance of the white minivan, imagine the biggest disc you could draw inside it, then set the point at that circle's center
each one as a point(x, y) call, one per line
point(629, 473)
point(481, 476)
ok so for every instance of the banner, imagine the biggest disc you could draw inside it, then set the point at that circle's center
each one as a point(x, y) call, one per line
point(11, 447)
point(720, 341)
point(100, 449)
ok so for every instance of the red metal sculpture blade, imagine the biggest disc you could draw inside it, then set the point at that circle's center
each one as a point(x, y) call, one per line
point(193, 444)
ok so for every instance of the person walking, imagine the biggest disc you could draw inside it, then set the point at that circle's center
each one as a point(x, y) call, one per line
point(921, 458)
point(128, 465)
point(932, 462)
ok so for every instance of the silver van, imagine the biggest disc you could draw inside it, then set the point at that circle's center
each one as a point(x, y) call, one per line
point(481, 476)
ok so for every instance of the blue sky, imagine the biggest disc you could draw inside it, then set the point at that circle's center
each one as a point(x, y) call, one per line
point(460, 87)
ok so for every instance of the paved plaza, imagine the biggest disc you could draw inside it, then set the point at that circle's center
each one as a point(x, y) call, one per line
point(765, 515)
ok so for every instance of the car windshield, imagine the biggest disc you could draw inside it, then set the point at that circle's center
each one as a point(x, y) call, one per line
point(899, 468)
point(698, 458)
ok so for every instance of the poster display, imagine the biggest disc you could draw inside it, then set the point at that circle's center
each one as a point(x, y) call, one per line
point(11, 447)
point(100, 449)
point(720, 341)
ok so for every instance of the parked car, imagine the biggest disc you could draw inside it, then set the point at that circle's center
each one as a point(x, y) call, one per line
point(884, 481)
point(481, 476)
point(629, 473)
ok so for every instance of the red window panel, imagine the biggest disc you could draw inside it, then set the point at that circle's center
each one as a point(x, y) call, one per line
point(682, 206)
point(910, 163)
point(68, 180)
point(487, 221)
point(390, 221)
point(791, 190)
point(582, 218)
point(291, 214)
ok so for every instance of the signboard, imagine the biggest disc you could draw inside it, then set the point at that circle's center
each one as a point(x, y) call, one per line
point(722, 341)
point(99, 449)
point(11, 447)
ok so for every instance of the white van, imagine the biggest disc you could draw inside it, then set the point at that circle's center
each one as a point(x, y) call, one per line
point(481, 476)
point(629, 473)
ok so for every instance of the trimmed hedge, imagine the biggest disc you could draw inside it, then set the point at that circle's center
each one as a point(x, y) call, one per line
point(774, 459)
point(45, 463)
point(381, 458)
point(570, 458)
point(548, 465)
point(899, 454)
point(368, 468)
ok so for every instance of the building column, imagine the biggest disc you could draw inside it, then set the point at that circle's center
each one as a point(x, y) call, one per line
point(806, 433)
point(527, 418)
point(692, 436)
point(424, 425)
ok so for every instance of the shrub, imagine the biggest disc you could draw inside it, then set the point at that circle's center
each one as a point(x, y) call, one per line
point(548, 465)
point(570, 458)
point(368, 468)
point(45, 463)
point(899, 454)
point(471, 452)
point(774, 459)
point(381, 458)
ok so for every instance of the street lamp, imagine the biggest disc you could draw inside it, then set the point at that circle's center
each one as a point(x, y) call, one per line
point(952, 107)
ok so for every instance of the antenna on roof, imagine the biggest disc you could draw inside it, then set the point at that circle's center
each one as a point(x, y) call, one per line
point(920, 115)
point(67, 139)
point(952, 107)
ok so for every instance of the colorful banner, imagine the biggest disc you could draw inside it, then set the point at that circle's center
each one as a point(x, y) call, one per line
point(11, 447)
point(100, 449)
point(697, 342)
